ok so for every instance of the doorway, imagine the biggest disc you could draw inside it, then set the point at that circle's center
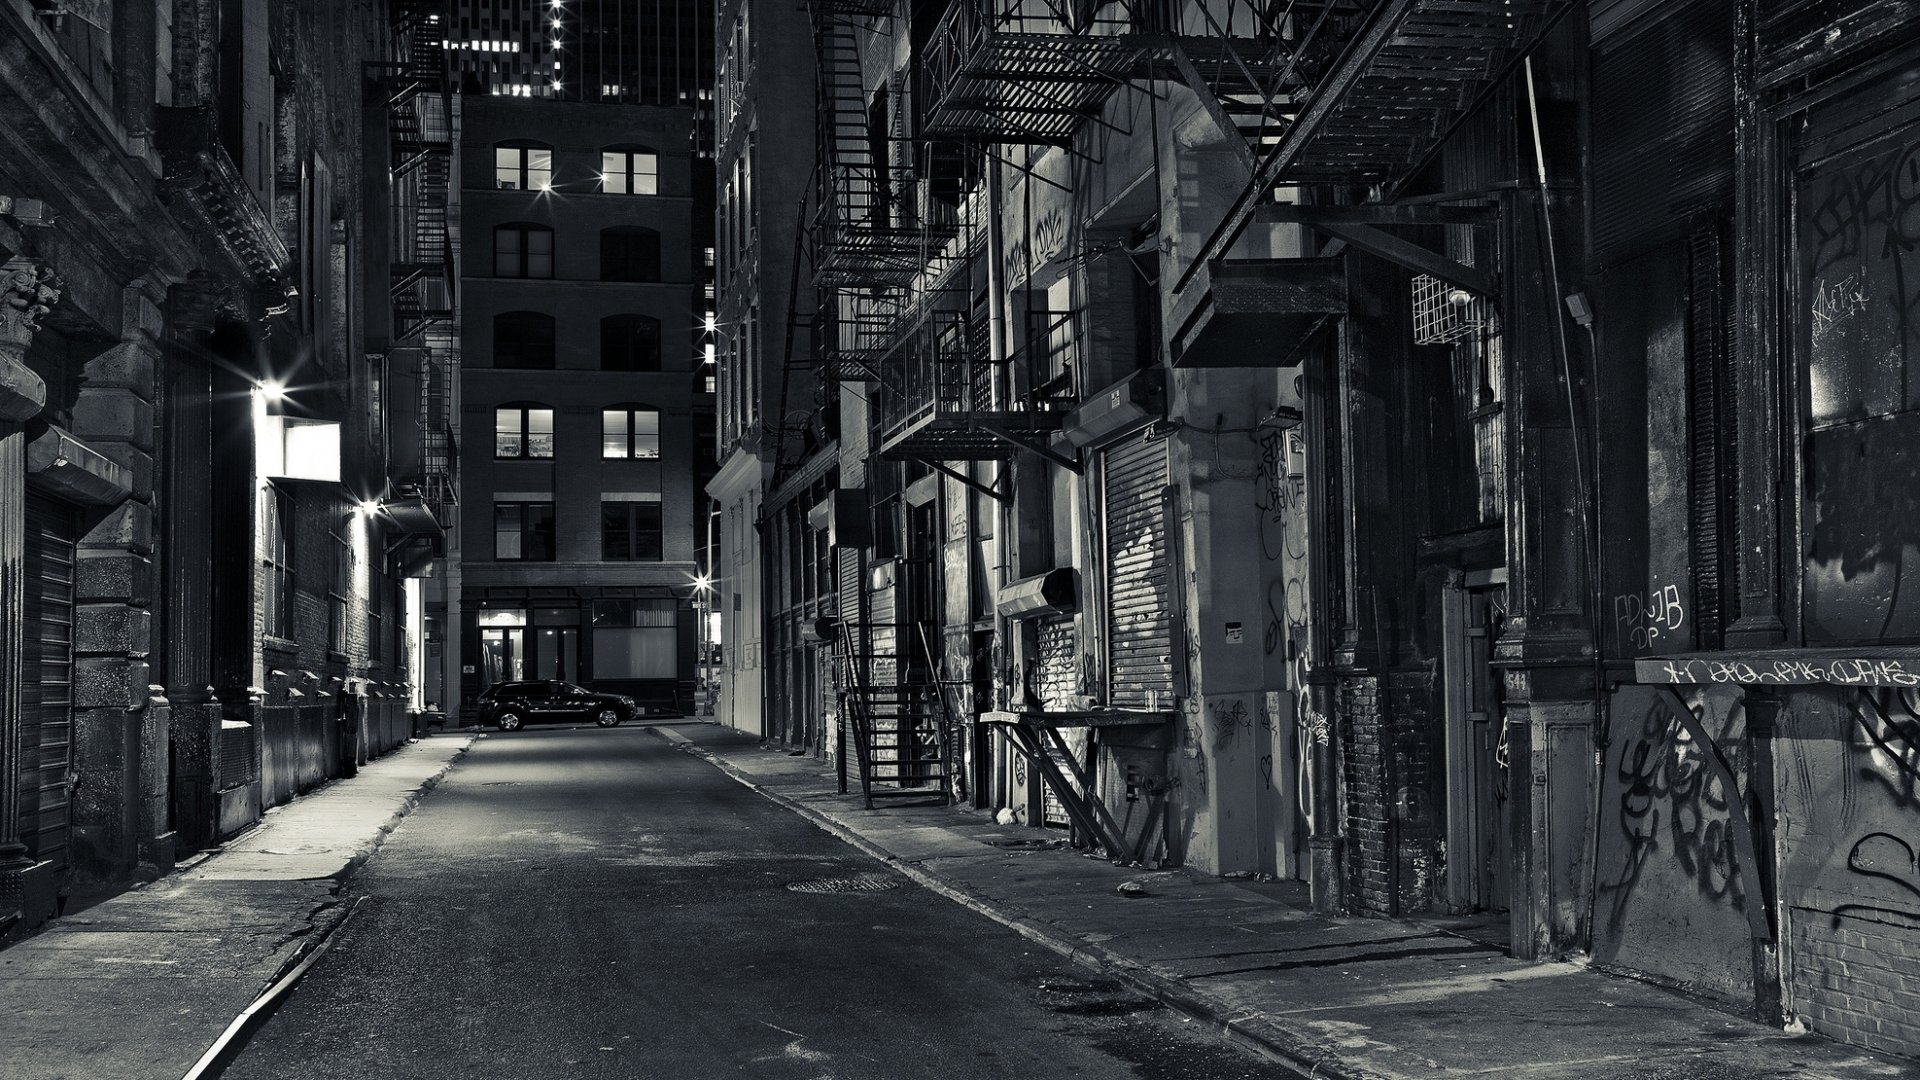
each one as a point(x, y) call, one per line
point(1479, 873)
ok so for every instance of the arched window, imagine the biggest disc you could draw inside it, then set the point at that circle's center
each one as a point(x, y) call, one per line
point(523, 339)
point(521, 165)
point(523, 429)
point(522, 249)
point(629, 253)
point(629, 343)
point(630, 170)
point(630, 431)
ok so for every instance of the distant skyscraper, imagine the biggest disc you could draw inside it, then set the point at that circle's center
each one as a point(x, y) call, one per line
point(635, 52)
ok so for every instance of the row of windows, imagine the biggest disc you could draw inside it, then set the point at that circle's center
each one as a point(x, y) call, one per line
point(525, 339)
point(525, 431)
point(524, 249)
point(629, 532)
point(528, 166)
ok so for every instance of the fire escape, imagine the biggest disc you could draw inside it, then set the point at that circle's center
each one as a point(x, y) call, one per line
point(422, 288)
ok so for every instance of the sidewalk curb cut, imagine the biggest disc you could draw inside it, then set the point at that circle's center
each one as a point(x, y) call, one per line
point(1254, 1031)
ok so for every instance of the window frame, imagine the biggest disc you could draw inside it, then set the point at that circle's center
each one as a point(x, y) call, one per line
point(525, 409)
point(632, 267)
point(525, 318)
point(525, 230)
point(628, 156)
point(630, 512)
point(527, 528)
point(525, 170)
point(609, 323)
point(630, 436)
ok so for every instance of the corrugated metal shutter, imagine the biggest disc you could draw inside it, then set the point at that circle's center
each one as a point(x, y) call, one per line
point(46, 741)
point(1712, 418)
point(885, 635)
point(1139, 609)
point(1662, 127)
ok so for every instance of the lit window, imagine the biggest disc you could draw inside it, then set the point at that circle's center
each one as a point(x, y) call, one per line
point(523, 166)
point(522, 431)
point(629, 170)
point(629, 432)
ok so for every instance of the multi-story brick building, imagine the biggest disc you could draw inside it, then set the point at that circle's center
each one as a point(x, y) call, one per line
point(206, 544)
point(1448, 454)
point(582, 355)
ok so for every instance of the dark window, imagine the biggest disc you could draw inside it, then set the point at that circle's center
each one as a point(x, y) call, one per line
point(337, 592)
point(630, 531)
point(523, 339)
point(629, 432)
point(280, 550)
point(521, 250)
point(629, 170)
point(629, 343)
point(629, 253)
point(523, 166)
point(523, 431)
point(523, 531)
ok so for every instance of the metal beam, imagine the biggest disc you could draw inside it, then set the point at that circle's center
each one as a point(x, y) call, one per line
point(1378, 214)
point(1327, 99)
point(1414, 257)
point(969, 481)
point(1210, 102)
point(1044, 451)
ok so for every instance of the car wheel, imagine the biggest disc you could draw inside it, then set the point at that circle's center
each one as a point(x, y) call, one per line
point(511, 721)
point(607, 717)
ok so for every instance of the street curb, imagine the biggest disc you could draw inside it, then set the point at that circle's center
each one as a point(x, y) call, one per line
point(1255, 1031)
point(406, 807)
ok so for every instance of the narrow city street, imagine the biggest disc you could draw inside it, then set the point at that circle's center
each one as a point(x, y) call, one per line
point(592, 903)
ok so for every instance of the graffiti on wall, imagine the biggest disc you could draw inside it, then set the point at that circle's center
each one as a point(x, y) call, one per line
point(1642, 620)
point(1886, 733)
point(1667, 802)
point(1773, 671)
point(1678, 888)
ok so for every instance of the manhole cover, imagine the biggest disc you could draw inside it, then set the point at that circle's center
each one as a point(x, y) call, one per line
point(869, 882)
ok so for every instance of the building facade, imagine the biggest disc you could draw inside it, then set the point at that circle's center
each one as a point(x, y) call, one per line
point(207, 543)
point(1429, 451)
point(772, 413)
point(581, 361)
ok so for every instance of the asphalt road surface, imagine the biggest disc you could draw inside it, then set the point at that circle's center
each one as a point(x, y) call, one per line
point(593, 903)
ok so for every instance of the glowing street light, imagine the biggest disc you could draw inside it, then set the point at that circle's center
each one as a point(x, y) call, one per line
point(274, 390)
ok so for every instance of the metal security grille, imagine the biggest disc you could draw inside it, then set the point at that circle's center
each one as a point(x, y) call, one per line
point(47, 677)
point(1139, 612)
point(1662, 126)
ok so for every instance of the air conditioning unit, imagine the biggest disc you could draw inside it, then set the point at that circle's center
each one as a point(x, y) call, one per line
point(1445, 313)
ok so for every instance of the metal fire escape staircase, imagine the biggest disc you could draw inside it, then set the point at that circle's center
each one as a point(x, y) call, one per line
point(1403, 77)
point(423, 286)
point(896, 733)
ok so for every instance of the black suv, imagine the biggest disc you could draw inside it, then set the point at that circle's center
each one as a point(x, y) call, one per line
point(512, 705)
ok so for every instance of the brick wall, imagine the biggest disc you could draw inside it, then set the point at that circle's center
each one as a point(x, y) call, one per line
point(1858, 979)
point(1392, 793)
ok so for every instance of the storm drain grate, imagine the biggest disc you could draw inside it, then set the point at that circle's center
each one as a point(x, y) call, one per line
point(858, 883)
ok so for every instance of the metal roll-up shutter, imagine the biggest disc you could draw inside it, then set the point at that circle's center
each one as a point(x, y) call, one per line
point(46, 741)
point(1662, 125)
point(885, 634)
point(1139, 575)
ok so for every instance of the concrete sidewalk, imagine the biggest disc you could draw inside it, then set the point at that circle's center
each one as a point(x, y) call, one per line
point(140, 986)
point(1332, 997)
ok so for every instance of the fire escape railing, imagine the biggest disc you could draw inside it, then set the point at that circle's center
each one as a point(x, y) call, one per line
point(423, 289)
